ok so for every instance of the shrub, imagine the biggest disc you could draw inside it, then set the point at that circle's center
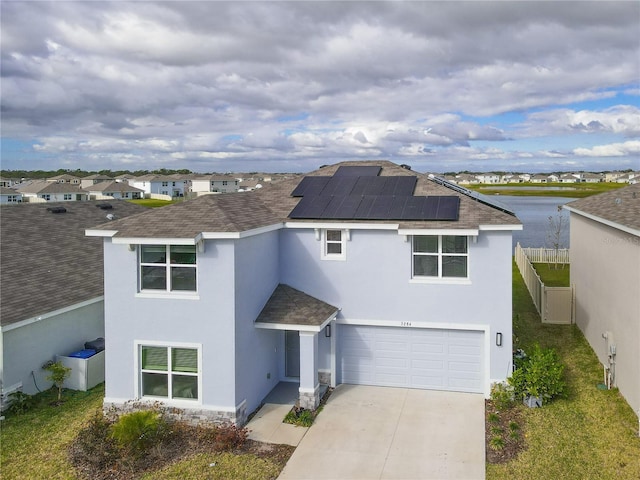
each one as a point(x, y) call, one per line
point(20, 403)
point(497, 443)
point(493, 418)
point(502, 396)
point(300, 416)
point(539, 374)
point(58, 373)
point(94, 447)
point(229, 437)
point(138, 431)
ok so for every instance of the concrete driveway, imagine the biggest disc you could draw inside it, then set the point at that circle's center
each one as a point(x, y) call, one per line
point(393, 433)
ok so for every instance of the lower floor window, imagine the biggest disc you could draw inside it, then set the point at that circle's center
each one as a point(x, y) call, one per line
point(169, 372)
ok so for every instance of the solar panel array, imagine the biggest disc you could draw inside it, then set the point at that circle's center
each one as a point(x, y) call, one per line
point(359, 193)
point(376, 207)
point(479, 197)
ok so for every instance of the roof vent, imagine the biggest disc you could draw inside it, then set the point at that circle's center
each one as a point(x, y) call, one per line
point(104, 206)
point(57, 209)
point(405, 166)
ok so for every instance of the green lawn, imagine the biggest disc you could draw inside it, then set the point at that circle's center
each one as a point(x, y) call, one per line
point(572, 190)
point(553, 275)
point(152, 202)
point(590, 434)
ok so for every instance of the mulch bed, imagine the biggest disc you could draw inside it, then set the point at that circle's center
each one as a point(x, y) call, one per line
point(513, 438)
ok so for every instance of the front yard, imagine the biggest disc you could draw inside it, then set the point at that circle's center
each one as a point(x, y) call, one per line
point(590, 434)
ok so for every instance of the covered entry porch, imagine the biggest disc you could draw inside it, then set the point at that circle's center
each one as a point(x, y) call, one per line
point(302, 318)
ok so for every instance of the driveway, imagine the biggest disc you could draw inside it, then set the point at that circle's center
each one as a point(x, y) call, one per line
point(393, 433)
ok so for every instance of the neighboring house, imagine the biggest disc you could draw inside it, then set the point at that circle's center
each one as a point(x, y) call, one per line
point(113, 189)
point(569, 178)
point(249, 185)
point(488, 178)
point(9, 182)
point(466, 179)
point(161, 184)
point(65, 178)
point(539, 178)
point(588, 177)
point(91, 180)
point(214, 184)
point(51, 286)
point(605, 268)
point(9, 195)
point(360, 272)
point(51, 191)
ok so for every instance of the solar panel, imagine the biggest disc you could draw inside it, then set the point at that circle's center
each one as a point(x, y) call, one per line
point(380, 208)
point(343, 207)
point(339, 186)
point(310, 186)
point(448, 208)
point(357, 171)
point(405, 185)
point(479, 197)
point(310, 207)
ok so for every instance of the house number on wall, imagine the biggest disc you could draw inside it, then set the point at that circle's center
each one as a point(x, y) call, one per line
point(405, 324)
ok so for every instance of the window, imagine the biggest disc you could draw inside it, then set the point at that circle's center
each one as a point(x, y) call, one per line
point(68, 196)
point(168, 268)
point(46, 196)
point(444, 256)
point(169, 372)
point(165, 184)
point(333, 245)
point(12, 198)
point(224, 182)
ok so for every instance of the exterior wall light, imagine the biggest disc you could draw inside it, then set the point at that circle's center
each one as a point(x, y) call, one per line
point(327, 331)
point(499, 339)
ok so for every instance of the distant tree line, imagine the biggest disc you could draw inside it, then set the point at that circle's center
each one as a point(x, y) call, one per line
point(84, 173)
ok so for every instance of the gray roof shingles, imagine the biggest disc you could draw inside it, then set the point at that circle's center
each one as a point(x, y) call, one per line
point(272, 204)
point(289, 306)
point(621, 206)
point(47, 261)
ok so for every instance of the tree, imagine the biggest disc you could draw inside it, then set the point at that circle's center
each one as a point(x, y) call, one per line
point(555, 231)
point(58, 374)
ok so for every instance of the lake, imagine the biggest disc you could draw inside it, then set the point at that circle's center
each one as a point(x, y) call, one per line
point(534, 213)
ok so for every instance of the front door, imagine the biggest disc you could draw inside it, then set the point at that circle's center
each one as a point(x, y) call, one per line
point(292, 353)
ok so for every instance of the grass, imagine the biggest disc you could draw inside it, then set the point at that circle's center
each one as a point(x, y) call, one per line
point(571, 190)
point(34, 444)
point(552, 276)
point(590, 434)
point(153, 203)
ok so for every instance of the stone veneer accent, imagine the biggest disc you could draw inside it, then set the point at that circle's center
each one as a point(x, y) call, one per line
point(309, 400)
point(191, 416)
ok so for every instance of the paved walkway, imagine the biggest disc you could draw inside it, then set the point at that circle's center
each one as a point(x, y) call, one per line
point(393, 433)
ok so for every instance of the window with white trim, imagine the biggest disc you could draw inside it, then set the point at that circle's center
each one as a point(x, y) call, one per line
point(333, 244)
point(68, 196)
point(46, 196)
point(440, 256)
point(169, 372)
point(168, 268)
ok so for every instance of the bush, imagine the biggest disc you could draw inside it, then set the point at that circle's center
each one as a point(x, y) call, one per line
point(539, 374)
point(20, 403)
point(138, 431)
point(94, 448)
point(58, 373)
point(502, 396)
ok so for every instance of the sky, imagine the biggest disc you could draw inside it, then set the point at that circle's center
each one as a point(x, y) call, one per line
point(289, 86)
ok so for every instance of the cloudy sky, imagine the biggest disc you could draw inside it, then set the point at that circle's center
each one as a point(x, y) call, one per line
point(269, 86)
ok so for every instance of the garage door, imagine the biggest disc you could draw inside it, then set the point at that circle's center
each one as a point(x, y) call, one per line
point(412, 357)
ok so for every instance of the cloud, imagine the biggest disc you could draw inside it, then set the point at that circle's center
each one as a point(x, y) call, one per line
point(611, 150)
point(259, 82)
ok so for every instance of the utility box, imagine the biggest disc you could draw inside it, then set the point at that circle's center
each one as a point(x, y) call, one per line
point(87, 369)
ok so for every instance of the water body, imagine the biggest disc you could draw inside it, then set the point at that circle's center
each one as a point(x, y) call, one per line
point(534, 213)
point(531, 188)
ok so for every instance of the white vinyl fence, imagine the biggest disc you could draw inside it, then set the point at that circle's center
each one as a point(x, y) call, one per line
point(554, 304)
point(546, 255)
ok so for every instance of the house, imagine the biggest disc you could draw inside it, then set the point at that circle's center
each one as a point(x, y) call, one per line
point(52, 191)
point(589, 177)
point(50, 285)
point(605, 268)
point(540, 178)
point(161, 185)
point(488, 178)
point(214, 184)
point(113, 189)
point(249, 185)
point(65, 178)
point(91, 180)
point(9, 195)
point(467, 179)
point(359, 272)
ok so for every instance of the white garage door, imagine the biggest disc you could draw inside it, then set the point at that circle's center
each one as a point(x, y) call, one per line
point(412, 357)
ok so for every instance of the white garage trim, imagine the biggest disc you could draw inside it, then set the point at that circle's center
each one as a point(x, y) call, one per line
point(409, 359)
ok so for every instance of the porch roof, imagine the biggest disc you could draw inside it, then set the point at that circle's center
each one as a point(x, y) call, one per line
point(291, 309)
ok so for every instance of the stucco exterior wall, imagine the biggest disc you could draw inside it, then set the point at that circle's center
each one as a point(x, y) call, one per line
point(374, 284)
point(207, 322)
point(27, 348)
point(605, 268)
point(257, 350)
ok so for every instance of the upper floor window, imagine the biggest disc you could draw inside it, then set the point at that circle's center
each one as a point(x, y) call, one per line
point(165, 184)
point(68, 196)
point(169, 372)
point(12, 198)
point(440, 256)
point(168, 268)
point(333, 245)
point(224, 182)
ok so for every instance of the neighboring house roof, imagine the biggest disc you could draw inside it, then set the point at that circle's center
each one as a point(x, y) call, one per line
point(43, 186)
point(112, 187)
point(288, 306)
point(65, 177)
point(273, 203)
point(8, 191)
point(97, 176)
point(47, 261)
point(619, 208)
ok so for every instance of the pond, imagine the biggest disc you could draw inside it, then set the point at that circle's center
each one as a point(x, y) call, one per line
point(534, 213)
